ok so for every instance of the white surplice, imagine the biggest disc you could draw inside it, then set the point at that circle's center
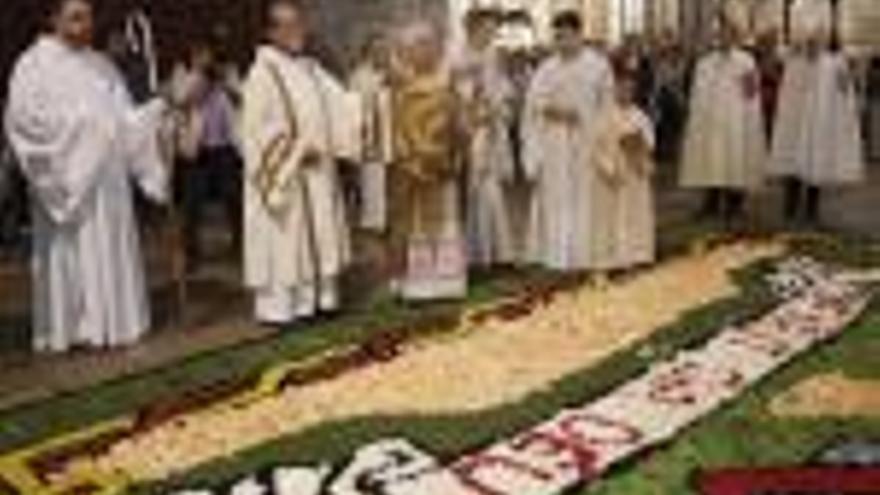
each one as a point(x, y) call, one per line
point(625, 223)
point(725, 145)
point(817, 137)
point(296, 236)
point(557, 156)
point(486, 96)
point(80, 141)
point(372, 88)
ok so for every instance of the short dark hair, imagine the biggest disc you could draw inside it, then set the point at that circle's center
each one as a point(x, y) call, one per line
point(479, 15)
point(568, 20)
point(53, 7)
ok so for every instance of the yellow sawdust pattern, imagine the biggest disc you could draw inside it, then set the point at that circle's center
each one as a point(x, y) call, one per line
point(830, 395)
point(496, 364)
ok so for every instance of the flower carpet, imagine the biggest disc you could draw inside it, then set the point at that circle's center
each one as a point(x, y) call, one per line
point(540, 392)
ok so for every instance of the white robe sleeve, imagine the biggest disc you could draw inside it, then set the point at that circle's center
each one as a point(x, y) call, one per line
point(533, 125)
point(503, 87)
point(181, 86)
point(646, 128)
point(144, 150)
point(846, 161)
point(606, 156)
point(695, 125)
point(347, 118)
point(61, 146)
point(606, 85)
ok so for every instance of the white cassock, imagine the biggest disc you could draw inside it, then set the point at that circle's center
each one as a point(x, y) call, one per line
point(817, 137)
point(624, 224)
point(375, 94)
point(486, 95)
point(557, 156)
point(80, 141)
point(725, 145)
point(296, 236)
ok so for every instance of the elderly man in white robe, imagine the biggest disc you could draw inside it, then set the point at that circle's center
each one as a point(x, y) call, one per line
point(297, 120)
point(725, 146)
point(487, 99)
point(817, 139)
point(80, 140)
point(565, 97)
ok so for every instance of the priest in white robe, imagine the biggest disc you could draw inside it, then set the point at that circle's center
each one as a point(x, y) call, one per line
point(371, 81)
point(725, 146)
point(297, 120)
point(80, 141)
point(817, 140)
point(565, 97)
point(487, 99)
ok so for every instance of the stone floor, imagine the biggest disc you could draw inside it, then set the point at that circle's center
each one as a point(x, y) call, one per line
point(217, 314)
point(854, 210)
point(216, 319)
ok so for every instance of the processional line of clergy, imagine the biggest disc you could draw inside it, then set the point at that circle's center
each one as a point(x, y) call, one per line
point(443, 141)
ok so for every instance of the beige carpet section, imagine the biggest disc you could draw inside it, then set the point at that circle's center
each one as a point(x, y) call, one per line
point(829, 396)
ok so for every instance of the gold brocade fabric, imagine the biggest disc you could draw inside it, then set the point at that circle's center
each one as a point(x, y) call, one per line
point(424, 139)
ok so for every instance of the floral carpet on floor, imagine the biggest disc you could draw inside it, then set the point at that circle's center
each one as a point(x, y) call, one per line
point(557, 387)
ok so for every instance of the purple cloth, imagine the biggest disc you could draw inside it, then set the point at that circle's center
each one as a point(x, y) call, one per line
point(217, 115)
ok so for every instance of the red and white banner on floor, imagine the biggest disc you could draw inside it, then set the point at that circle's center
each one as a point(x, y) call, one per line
point(579, 445)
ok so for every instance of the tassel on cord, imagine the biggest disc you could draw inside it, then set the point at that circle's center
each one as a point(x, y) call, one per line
point(139, 34)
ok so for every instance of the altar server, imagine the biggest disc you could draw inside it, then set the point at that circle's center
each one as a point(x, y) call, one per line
point(80, 140)
point(486, 96)
point(725, 145)
point(817, 140)
point(624, 235)
point(371, 81)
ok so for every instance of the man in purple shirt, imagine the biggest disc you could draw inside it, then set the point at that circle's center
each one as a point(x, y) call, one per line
point(211, 164)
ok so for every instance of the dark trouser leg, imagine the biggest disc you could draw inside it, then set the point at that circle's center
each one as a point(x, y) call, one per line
point(733, 204)
point(227, 187)
point(399, 201)
point(813, 204)
point(792, 200)
point(192, 190)
point(234, 203)
point(712, 203)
